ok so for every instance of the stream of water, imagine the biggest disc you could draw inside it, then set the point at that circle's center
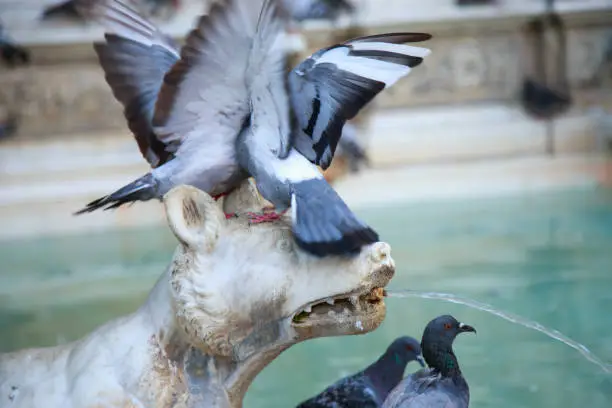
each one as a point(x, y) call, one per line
point(448, 297)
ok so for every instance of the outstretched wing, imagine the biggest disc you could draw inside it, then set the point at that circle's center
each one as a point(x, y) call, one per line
point(204, 98)
point(266, 78)
point(135, 57)
point(335, 83)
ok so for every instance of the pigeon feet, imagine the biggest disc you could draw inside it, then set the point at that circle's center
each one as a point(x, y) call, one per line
point(265, 216)
point(217, 197)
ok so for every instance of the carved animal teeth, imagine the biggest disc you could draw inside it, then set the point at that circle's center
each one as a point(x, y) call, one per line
point(330, 301)
point(308, 309)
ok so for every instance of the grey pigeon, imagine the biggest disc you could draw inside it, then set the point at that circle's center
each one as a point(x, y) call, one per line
point(218, 111)
point(442, 384)
point(370, 387)
point(301, 10)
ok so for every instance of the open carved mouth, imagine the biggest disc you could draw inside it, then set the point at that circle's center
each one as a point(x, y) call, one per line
point(352, 304)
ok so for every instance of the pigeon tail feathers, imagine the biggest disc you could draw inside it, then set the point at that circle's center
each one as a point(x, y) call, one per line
point(323, 224)
point(143, 189)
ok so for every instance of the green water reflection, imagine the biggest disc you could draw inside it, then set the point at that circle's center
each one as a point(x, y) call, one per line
point(546, 257)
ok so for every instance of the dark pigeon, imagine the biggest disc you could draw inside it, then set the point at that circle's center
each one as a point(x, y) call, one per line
point(370, 387)
point(68, 9)
point(302, 10)
point(442, 384)
point(351, 149)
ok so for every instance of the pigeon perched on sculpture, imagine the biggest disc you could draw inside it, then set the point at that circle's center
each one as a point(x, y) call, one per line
point(220, 109)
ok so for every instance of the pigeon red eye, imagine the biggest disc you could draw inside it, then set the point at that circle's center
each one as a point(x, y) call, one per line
point(409, 348)
point(447, 326)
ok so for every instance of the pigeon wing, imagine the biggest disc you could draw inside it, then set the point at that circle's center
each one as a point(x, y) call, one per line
point(335, 83)
point(204, 96)
point(135, 57)
point(266, 79)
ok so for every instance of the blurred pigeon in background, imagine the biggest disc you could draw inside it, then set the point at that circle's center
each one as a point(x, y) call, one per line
point(351, 149)
point(370, 387)
point(219, 111)
point(67, 9)
point(442, 384)
point(12, 54)
point(301, 10)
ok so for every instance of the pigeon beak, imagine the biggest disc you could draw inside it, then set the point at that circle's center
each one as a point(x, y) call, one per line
point(463, 328)
point(421, 360)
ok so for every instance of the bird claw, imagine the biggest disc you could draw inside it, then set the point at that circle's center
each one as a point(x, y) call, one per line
point(258, 218)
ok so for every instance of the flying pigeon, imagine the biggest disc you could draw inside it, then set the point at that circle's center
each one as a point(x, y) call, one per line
point(218, 111)
point(442, 384)
point(301, 10)
point(370, 387)
point(68, 9)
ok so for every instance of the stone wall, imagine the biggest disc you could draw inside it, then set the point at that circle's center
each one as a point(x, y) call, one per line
point(478, 56)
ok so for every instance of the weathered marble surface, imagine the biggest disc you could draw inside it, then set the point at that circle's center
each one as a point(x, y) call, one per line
point(199, 340)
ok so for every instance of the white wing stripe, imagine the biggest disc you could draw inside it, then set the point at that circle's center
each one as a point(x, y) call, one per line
point(397, 48)
point(376, 70)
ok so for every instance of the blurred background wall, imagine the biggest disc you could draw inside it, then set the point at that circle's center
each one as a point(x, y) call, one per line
point(461, 123)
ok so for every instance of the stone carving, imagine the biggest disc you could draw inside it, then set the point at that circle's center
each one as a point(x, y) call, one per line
point(233, 298)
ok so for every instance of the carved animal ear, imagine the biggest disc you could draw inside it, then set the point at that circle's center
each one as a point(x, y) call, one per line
point(244, 198)
point(194, 217)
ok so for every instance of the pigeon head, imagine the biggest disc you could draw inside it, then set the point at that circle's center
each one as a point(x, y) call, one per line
point(446, 328)
point(437, 343)
point(404, 350)
point(388, 370)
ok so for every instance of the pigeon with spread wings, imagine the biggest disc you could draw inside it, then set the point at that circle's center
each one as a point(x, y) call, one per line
point(220, 111)
point(185, 108)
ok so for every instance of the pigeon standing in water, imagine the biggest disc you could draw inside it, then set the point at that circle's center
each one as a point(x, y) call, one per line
point(218, 111)
point(301, 10)
point(370, 387)
point(442, 384)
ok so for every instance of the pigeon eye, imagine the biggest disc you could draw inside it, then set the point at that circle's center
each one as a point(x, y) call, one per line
point(447, 326)
point(409, 348)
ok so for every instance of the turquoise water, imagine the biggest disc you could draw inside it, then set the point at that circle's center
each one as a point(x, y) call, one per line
point(547, 257)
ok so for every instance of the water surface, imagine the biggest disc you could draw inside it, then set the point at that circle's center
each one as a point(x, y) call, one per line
point(547, 257)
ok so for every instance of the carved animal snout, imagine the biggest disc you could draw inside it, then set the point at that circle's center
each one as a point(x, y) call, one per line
point(383, 266)
point(381, 254)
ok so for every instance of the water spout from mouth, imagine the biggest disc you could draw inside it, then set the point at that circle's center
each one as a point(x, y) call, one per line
point(448, 297)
